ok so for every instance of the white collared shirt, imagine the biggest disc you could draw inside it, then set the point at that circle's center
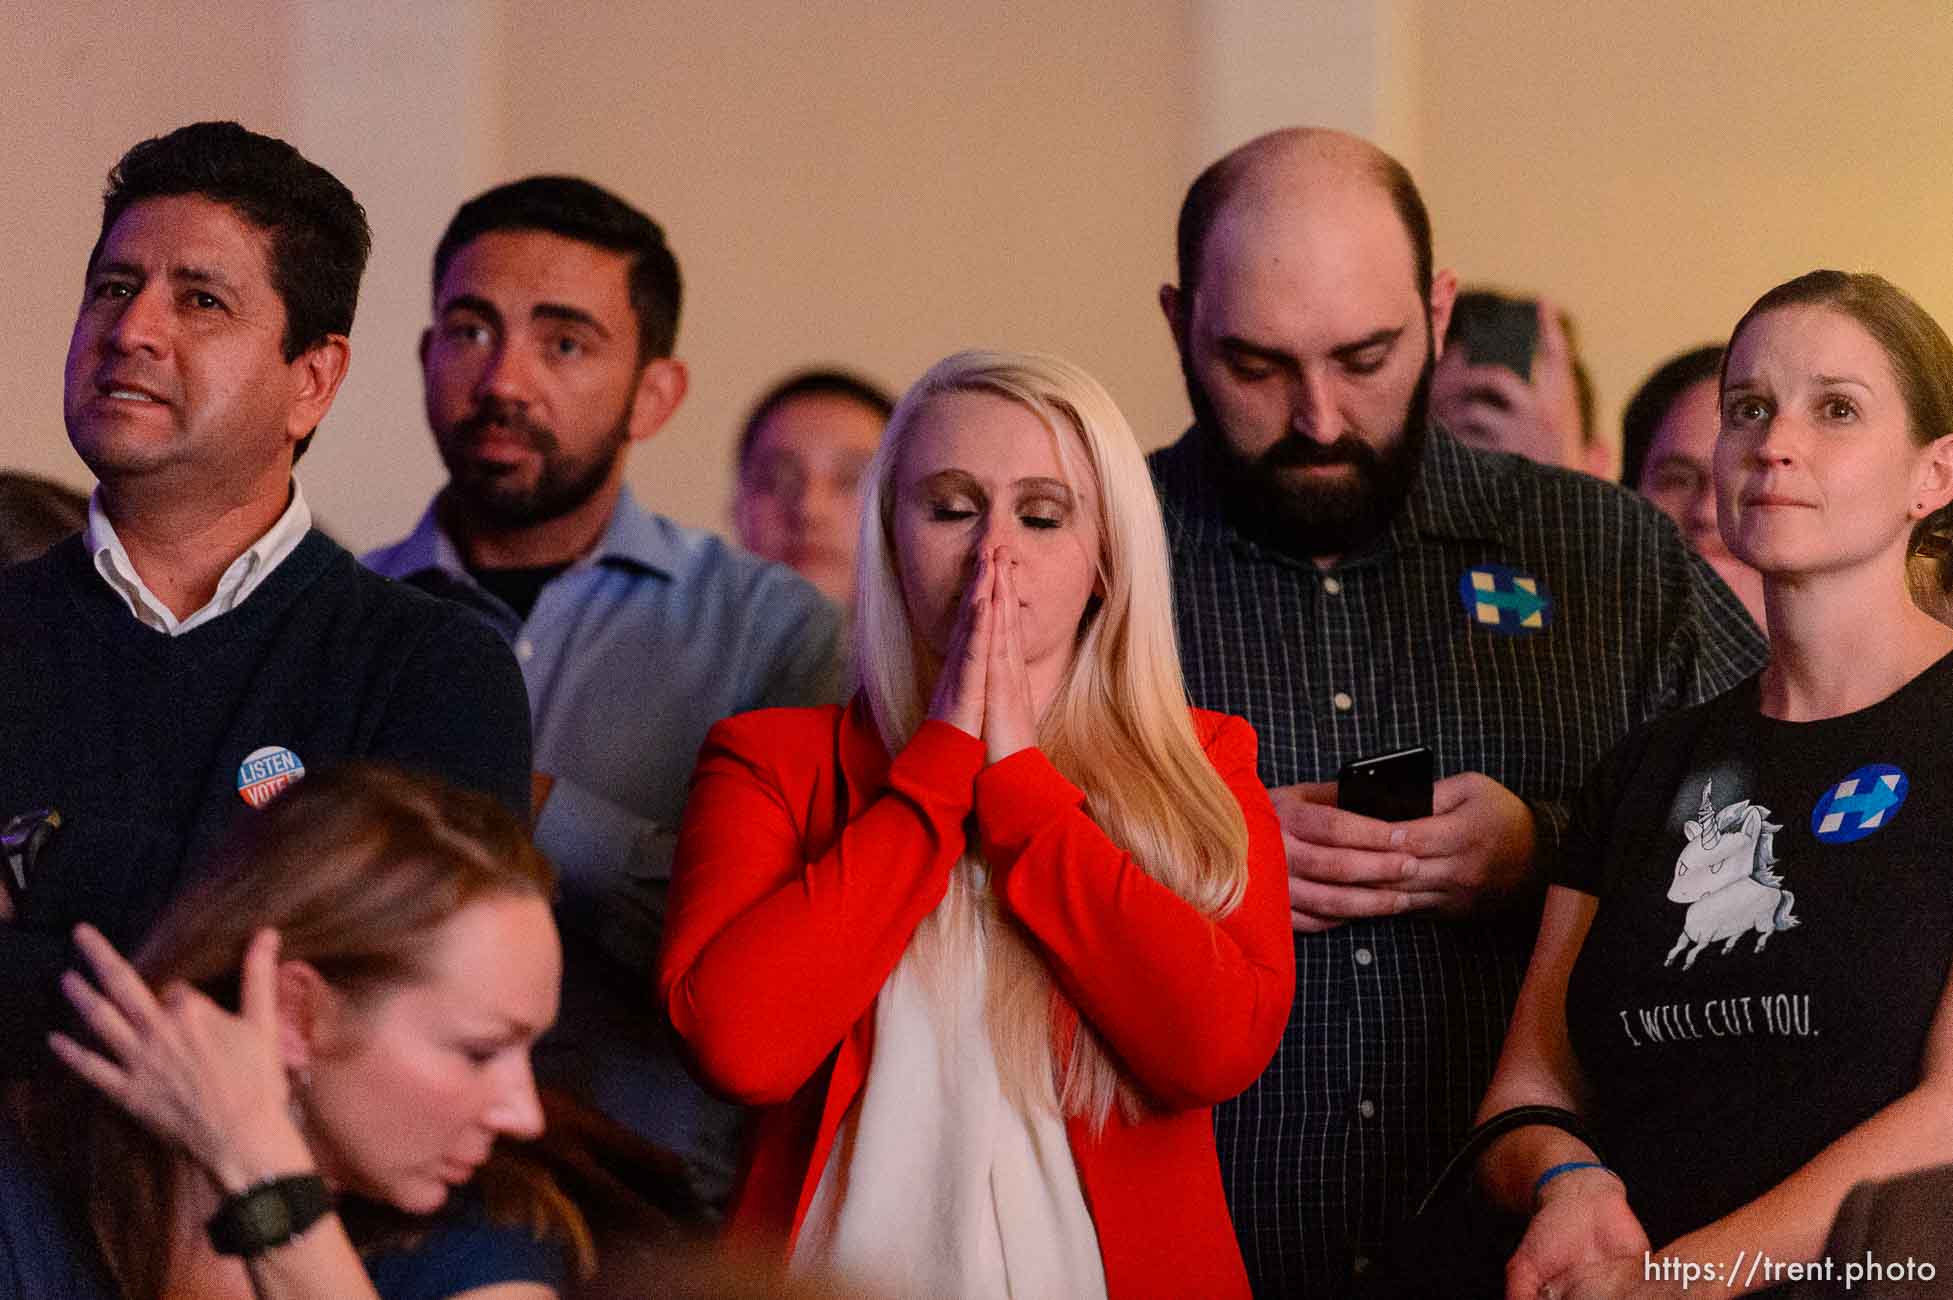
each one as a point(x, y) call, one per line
point(243, 577)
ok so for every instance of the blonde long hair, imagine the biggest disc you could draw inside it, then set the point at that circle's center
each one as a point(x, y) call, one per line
point(1118, 727)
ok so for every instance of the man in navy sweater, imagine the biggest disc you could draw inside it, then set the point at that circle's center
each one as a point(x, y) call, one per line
point(200, 645)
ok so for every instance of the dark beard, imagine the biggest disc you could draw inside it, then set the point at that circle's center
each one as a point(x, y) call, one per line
point(492, 502)
point(1306, 519)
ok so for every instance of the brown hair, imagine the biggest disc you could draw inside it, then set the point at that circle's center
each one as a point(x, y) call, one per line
point(355, 867)
point(1649, 406)
point(1920, 354)
point(1929, 569)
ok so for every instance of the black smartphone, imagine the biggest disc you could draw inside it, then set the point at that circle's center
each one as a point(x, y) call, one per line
point(1390, 787)
point(1498, 331)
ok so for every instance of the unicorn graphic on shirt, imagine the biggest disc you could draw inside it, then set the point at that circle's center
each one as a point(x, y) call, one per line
point(1724, 875)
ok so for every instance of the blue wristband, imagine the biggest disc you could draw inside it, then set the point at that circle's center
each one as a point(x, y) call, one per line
point(1565, 1168)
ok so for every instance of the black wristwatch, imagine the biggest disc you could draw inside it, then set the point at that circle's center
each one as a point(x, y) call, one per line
point(269, 1214)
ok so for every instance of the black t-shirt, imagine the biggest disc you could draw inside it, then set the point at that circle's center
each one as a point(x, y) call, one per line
point(1773, 937)
point(519, 589)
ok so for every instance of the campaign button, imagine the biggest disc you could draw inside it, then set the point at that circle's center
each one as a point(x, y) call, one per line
point(1502, 599)
point(1862, 804)
point(264, 772)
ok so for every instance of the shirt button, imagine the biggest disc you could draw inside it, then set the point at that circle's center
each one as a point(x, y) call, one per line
point(1366, 1108)
point(1363, 957)
point(1342, 701)
point(525, 649)
point(1333, 586)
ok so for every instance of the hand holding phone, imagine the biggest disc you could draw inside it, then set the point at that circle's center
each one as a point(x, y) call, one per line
point(1498, 331)
point(1393, 787)
point(1396, 841)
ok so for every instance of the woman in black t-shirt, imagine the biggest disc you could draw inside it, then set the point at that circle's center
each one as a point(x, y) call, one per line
point(1740, 978)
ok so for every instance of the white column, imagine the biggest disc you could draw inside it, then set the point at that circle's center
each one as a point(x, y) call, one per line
point(405, 104)
point(1350, 64)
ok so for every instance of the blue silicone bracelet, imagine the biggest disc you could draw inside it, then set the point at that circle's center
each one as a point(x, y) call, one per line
point(1566, 1168)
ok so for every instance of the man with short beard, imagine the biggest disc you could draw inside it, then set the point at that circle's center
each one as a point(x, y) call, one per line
point(1354, 581)
point(555, 314)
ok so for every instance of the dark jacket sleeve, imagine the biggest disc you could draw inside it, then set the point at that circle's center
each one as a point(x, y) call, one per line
point(1893, 1233)
point(460, 711)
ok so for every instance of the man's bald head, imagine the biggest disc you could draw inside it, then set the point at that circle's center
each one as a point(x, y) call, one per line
point(1288, 168)
point(1306, 318)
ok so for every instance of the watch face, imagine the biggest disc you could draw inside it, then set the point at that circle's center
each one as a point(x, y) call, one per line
point(269, 1214)
point(266, 1215)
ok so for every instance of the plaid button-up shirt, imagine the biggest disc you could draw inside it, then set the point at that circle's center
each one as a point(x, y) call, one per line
point(1518, 620)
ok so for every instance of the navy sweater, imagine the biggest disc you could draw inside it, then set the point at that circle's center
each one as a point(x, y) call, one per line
point(137, 737)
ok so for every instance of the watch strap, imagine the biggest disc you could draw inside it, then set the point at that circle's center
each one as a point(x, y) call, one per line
point(269, 1214)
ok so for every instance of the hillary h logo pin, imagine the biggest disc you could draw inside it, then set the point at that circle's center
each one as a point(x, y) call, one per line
point(265, 772)
point(1862, 804)
point(1500, 598)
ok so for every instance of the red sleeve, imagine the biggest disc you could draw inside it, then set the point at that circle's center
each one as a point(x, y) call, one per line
point(770, 958)
point(1192, 1007)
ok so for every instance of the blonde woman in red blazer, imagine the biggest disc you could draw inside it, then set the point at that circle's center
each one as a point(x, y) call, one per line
point(987, 944)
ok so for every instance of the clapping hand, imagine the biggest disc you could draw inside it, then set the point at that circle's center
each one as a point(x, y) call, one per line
point(207, 1081)
point(985, 686)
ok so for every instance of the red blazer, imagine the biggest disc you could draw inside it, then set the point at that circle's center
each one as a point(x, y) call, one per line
point(805, 862)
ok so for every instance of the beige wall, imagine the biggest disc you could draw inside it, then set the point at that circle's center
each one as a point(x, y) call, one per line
point(397, 100)
point(878, 184)
point(844, 182)
point(1263, 64)
point(1657, 166)
point(72, 99)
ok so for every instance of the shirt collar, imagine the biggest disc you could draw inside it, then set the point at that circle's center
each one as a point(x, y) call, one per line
point(1461, 493)
point(634, 536)
point(243, 576)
